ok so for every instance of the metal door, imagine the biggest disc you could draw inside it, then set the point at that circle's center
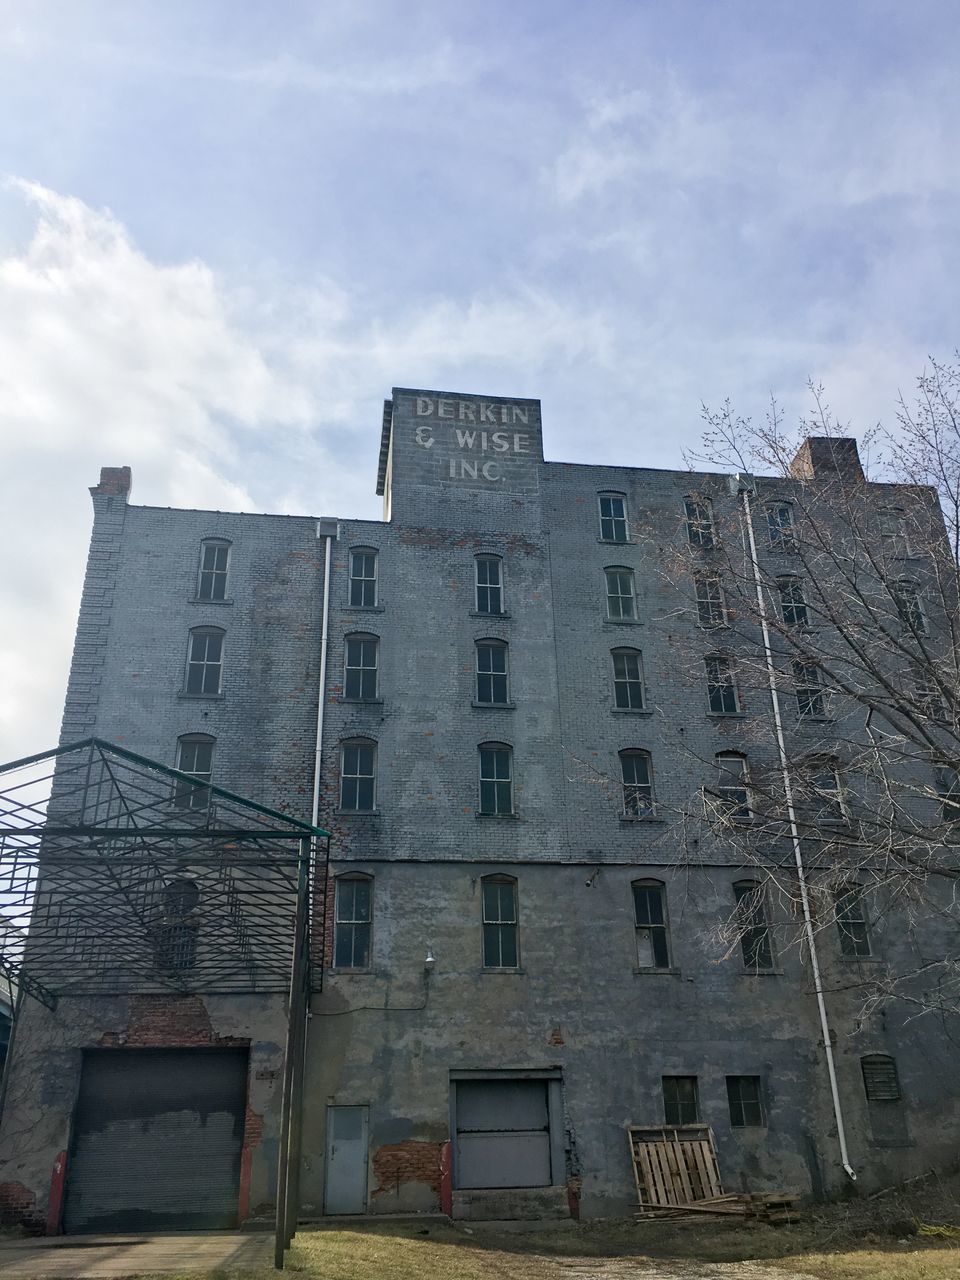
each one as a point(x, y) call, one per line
point(503, 1134)
point(157, 1139)
point(346, 1190)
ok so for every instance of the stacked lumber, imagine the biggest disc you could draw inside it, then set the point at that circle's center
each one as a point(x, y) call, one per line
point(762, 1206)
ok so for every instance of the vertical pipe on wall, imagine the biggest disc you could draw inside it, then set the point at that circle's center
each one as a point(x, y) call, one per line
point(322, 691)
point(745, 488)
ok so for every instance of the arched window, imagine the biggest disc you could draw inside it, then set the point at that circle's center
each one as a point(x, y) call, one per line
point(358, 775)
point(353, 916)
point(627, 679)
point(808, 687)
point(361, 667)
point(488, 571)
point(613, 517)
point(205, 662)
point(906, 596)
point(651, 924)
point(894, 533)
point(698, 513)
point(723, 695)
point(176, 936)
point(793, 603)
point(824, 792)
point(636, 774)
point(733, 786)
point(852, 920)
point(621, 593)
point(496, 779)
point(363, 577)
point(781, 532)
point(195, 757)
point(881, 1082)
point(711, 603)
point(213, 569)
point(492, 673)
point(501, 948)
point(752, 921)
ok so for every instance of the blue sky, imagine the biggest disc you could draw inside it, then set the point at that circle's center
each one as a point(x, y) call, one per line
point(227, 229)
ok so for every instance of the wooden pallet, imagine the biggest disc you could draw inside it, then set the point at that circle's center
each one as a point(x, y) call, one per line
point(765, 1206)
point(674, 1165)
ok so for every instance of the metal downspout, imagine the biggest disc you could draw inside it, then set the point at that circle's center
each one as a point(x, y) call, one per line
point(745, 487)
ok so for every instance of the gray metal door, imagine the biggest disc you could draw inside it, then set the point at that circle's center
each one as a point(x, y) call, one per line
point(157, 1139)
point(346, 1190)
point(503, 1133)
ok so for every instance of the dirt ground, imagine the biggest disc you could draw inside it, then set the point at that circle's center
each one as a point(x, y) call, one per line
point(883, 1239)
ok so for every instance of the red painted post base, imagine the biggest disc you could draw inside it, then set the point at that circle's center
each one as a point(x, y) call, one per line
point(446, 1180)
point(58, 1180)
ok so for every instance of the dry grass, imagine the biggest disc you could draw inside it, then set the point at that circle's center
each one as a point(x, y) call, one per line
point(854, 1240)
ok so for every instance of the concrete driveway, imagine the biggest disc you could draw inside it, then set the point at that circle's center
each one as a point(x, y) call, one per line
point(66, 1257)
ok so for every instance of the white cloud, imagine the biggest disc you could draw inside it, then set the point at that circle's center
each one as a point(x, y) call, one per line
point(241, 398)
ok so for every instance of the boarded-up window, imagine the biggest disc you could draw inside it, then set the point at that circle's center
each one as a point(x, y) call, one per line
point(880, 1080)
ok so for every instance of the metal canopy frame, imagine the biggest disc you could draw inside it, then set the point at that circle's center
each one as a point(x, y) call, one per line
point(120, 875)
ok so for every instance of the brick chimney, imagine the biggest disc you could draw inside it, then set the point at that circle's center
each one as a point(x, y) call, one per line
point(115, 482)
point(820, 457)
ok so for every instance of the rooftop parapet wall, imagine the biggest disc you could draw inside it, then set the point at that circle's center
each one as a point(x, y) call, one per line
point(455, 444)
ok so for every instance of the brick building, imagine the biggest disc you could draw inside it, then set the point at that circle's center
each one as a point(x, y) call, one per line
point(501, 704)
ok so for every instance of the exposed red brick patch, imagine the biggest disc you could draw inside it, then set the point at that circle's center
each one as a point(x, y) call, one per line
point(18, 1205)
point(252, 1128)
point(114, 481)
point(162, 1022)
point(410, 1161)
point(556, 1037)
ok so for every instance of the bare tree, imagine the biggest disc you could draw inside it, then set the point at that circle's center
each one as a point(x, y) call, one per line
point(830, 598)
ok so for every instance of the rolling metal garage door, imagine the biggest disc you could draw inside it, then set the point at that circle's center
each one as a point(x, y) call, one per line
point(157, 1140)
point(503, 1134)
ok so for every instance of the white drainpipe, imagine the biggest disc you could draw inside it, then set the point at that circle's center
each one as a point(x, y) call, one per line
point(328, 537)
point(745, 487)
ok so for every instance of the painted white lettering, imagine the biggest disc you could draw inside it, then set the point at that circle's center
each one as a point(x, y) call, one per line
point(467, 412)
point(424, 407)
point(424, 438)
point(444, 408)
point(500, 442)
point(521, 442)
point(453, 468)
point(465, 439)
point(486, 413)
point(468, 469)
point(520, 415)
point(491, 471)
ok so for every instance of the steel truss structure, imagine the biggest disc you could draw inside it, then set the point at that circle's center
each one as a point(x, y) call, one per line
point(119, 875)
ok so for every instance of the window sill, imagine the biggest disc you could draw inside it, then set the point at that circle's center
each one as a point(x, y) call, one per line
point(493, 706)
point(802, 720)
point(357, 813)
point(621, 622)
point(363, 608)
point(363, 702)
point(761, 973)
point(348, 973)
point(614, 542)
point(200, 600)
point(641, 817)
point(518, 972)
point(488, 816)
point(497, 617)
point(670, 972)
point(200, 697)
point(726, 715)
point(631, 711)
point(860, 959)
